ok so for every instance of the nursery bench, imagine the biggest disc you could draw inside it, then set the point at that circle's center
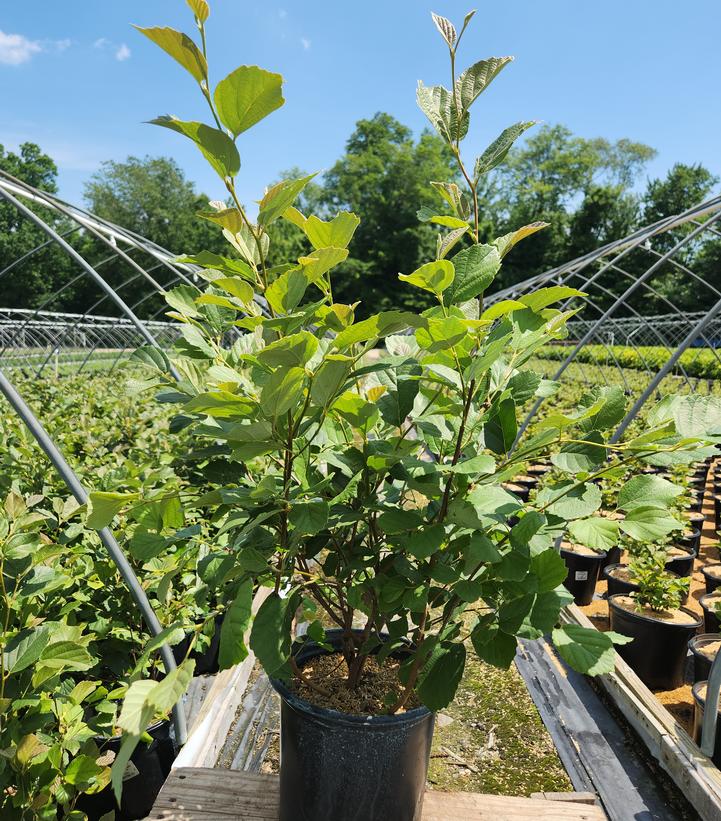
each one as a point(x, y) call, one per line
point(204, 794)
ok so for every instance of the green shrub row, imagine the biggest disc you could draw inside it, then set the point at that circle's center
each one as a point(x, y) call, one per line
point(697, 362)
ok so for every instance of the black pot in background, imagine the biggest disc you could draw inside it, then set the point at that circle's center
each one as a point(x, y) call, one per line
point(712, 582)
point(621, 587)
point(523, 492)
point(530, 482)
point(658, 651)
point(717, 509)
point(147, 770)
point(690, 539)
point(681, 565)
point(710, 619)
point(699, 702)
point(696, 520)
point(612, 557)
point(583, 572)
point(539, 470)
point(701, 663)
point(348, 768)
point(206, 662)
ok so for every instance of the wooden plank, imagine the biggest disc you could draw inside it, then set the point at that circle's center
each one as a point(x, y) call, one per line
point(218, 795)
point(212, 724)
point(694, 773)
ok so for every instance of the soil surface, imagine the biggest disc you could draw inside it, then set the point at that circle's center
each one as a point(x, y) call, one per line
point(713, 570)
point(673, 616)
point(580, 549)
point(709, 650)
point(325, 684)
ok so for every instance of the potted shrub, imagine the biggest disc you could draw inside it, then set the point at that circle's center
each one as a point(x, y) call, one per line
point(371, 454)
point(653, 618)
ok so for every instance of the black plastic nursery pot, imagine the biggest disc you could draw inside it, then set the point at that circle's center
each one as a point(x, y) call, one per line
point(620, 586)
point(523, 492)
point(658, 651)
point(682, 564)
point(710, 619)
point(699, 702)
point(712, 576)
point(346, 767)
point(690, 539)
point(206, 662)
point(145, 774)
point(583, 573)
point(613, 556)
point(702, 661)
point(528, 481)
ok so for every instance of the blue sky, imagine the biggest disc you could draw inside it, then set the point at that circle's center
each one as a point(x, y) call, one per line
point(77, 79)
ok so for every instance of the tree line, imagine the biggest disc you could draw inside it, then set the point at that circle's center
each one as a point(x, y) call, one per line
point(590, 192)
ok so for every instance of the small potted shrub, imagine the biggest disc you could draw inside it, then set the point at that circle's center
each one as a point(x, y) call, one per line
point(653, 618)
point(711, 606)
point(372, 453)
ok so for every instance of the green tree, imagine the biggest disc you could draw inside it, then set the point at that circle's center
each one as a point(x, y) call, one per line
point(384, 175)
point(580, 186)
point(152, 197)
point(33, 282)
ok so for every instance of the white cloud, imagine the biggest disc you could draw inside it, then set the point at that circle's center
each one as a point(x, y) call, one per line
point(122, 53)
point(16, 49)
point(305, 42)
point(62, 45)
point(101, 42)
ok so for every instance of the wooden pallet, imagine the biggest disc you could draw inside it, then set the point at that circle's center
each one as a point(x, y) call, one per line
point(202, 794)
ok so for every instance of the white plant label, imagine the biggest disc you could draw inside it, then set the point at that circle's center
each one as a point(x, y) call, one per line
point(581, 575)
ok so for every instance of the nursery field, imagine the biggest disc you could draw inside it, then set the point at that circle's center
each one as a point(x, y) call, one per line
point(118, 440)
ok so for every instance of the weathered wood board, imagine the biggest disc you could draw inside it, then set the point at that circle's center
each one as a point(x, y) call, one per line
point(202, 794)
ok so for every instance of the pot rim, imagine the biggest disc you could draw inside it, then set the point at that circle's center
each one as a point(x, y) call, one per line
point(327, 714)
point(597, 555)
point(643, 617)
point(700, 638)
point(705, 568)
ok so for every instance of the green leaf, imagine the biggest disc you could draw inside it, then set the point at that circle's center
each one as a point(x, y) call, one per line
point(232, 632)
point(547, 607)
point(598, 533)
point(399, 520)
point(309, 518)
point(246, 96)
point(403, 385)
point(611, 411)
point(544, 297)
point(200, 9)
point(180, 47)
point(330, 378)
point(501, 428)
point(476, 268)
point(436, 102)
point(647, 490)
point(25, 649)
point(523, 386)
point(549, 568)
point(66, 655)
point(103, 506)
point(377, 326)
point(284, 293)
point(82, 771)
point(207, 259)
point(239, 288)
point(441, 674)
point(647, 523)
point(270, 634)
point(446, 29)
point(433, 276)
point(182, 298)
point(482, 464)
point(499, 148)
point(493, 646)
point(580, 457)
point(280, 197)
point(426, 541)
point(215, 145)
point(295, 349)
point(569, 502)
point(318, 263)
point(508, 241)
point(476, 79)
point(337, 233)
point(281, 392)
point(585, 649)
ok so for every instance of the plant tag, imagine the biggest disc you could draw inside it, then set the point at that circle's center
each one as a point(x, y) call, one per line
point(581, 575)
point(130, 771)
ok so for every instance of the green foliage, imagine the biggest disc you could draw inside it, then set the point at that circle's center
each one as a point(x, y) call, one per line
point(369, 479)
point(657, 588)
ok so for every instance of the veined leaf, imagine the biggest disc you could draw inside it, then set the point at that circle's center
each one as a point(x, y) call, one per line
point(282, 392)
point(279, 197)
point(499, 148)
point(476, 79)
point(321, 261)
point(270, 634)
point(180, 47)
point(246, 96)
point(215, 145)
point(433, 276)
point(476, 268)
point(544, 297)
point(378, 326)
point(200, 9)
point(446, 28)
point(236, 621)
point(336, 233)
point(103, 506)
point(284, 293)
point(441, 675)
point(507, 241)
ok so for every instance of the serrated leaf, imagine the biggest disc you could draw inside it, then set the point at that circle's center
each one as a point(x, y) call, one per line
point(246, 96)
point(446, 29)
point(499, 148)
point(585, 649)
point(279, 197)
point(270, 634)
point(282, 392)
point(647, 490)
point(598, 533)
point(475, 269)
point(581, 456)
point(507, 241)
point(647, 523)
point(285, 293)
point(180, 47)
point(476, 79)
point(441, 675)
point(433, 276)
point(544, 297)
point(335, 233)
point(215, 145)
point(494, 647)
point(232, 632)
point(550, 570)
